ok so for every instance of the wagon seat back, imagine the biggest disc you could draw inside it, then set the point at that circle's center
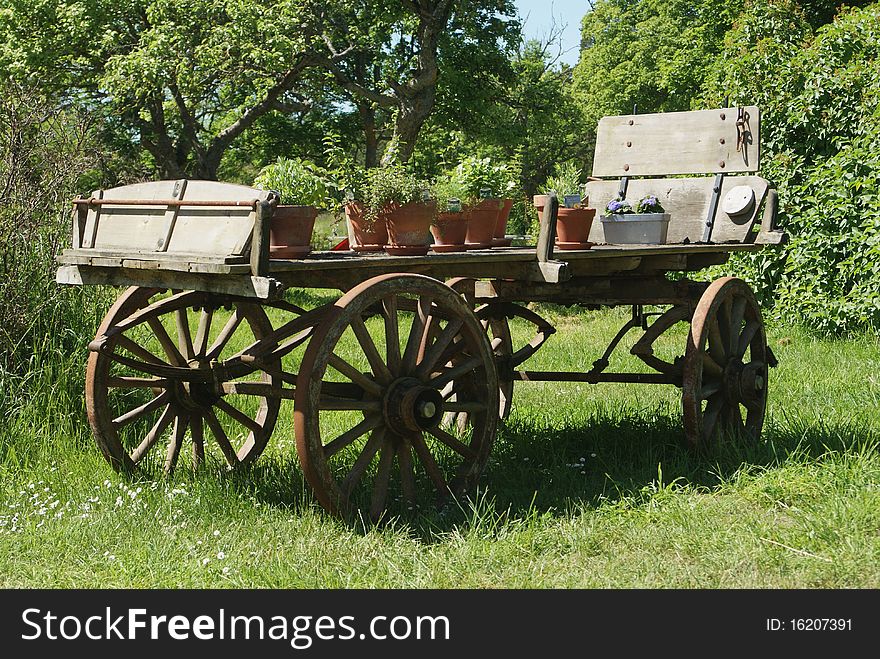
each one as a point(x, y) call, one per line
point(713, 155)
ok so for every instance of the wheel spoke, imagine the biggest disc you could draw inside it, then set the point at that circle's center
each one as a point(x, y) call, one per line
point(420, 320)
point(354, 375)
point(447, 376)
point(723, 315)
point(167, 344)
point(710, 366)
point(225, 334)
point(198, 439)
point(184, 338)
point(221, 438)
point(432, 356)
point(469, 407)
point(380, 484)
point(459, 447)
point(710, 389)
point(377, 364)
point(180, 424)
point(710, 416)
point(138, 351)
point(745, 339)
point(203, 331)
point(407, 476)
point(369, 423)
point(736, 318)
point(349, 405)
point(157, 429)
point(138, 412)
point(363, 461)
point(239, 416)
point(392, 334)
point(716, 343)
point(735, 420)
point(428, 462)
point(127, 382)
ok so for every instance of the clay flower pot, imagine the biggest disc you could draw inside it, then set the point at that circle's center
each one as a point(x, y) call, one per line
point(482, 218)
point(409, 228)
point(498, 239)
point(364, 238)
point(573, 227)
point(290, 231)
point(539, 201)
point(450, 232)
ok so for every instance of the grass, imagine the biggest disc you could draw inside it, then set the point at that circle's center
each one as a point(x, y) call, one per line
point(587, 486)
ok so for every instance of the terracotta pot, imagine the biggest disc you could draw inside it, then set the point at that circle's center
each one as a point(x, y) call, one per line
point(449, 231)
point(539, 201)
point(365, 238)
point(409, 228)
point(498, 239)
point(573, 224)
point(290, 231)
point(482, 218)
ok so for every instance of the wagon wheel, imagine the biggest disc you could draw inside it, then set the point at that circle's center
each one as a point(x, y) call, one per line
point(497, 328)
point(724, 389)
point(145, 388)
point(389, 384)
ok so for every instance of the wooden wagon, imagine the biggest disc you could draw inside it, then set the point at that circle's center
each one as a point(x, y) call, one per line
point(400, 382)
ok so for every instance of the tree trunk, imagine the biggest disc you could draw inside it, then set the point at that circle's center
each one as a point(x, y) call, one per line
point(371, 136)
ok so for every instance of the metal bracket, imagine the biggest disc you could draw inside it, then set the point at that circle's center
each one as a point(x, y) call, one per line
point(713, 207)
point(624, 184)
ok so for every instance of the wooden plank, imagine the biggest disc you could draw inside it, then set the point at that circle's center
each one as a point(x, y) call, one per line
point(669, 143)
point(547, 230)
point(687, 200)
point(146, 256)
point(264, 288)
point(192, 230)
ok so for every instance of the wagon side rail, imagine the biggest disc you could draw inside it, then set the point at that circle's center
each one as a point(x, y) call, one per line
point(184, 234)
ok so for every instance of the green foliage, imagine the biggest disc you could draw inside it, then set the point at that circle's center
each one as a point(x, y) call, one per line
point(820, 136)
point(649, 204)
point(447, 186)
point(388, 186)
point(47, 156)
point(477, 176)
point(566, 180)
point(298, 182)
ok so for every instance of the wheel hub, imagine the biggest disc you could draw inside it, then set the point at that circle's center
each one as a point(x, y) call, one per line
point(199, 395)
point(411, 406)
point(743, 382)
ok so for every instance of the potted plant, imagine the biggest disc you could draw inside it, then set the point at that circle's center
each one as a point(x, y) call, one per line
point(395, 196)
point(508, 181)
point(450, 225)
point(574, 217)
point(646, 224)
point(480, 182)
point(302, 190)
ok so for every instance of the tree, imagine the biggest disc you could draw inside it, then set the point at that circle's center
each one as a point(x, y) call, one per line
point(182, 78)
point(389, 59)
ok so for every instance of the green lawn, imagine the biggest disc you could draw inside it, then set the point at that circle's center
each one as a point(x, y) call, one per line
point(587, 486)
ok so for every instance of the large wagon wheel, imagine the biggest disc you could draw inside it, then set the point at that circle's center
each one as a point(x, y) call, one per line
point(394, 374)
point(145, 389)
point(497, 329)
point(724, 388)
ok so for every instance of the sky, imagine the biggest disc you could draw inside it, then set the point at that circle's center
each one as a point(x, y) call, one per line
point(538, 16)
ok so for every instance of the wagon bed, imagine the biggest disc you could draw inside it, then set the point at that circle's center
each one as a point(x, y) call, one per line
point(399, 384)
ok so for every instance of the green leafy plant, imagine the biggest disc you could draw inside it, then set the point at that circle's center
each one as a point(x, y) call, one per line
point(481, 179)
point(386, 187)
point(618, 206)
point(298, 182)
point(649, 204)
point(447, 187)
point(566, 180)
